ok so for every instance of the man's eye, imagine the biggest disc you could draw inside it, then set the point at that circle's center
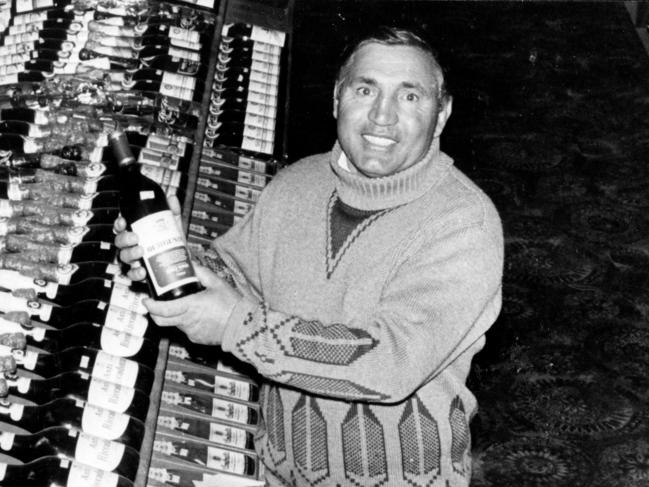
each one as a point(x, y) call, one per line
point(364, 90)
point(412, 97)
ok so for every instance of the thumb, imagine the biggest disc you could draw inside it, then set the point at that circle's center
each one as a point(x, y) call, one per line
point(166, 309)
point(206, 276)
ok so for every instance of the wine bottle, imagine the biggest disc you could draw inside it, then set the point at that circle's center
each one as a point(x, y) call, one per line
point(90, 311)
point(93, 420)
point(75, 445)
point(243, 75)
point(81, 385)
point(238, 140)
point(165, 88)
point(25, 114)
point(207, 430)
point(121, 57)
point(45, 34)
point(179, 53)
point(165, 77)
point(215, 384)
point(167, 62)
point(83, 169)
point(211, 406)
point(23, 128)
point(97, 363)
point(252, 32)
point(262, 61)
point(64, 234)
point(239, 118)
point(58, 23)
point(21, 7)
point(114, 293)
point(176, 146)
point(58, 254)
point(144, 206)
point(58, 472)
point(44, 212)
point(236, 131)
point(61, 274)
point(137, 349)
point(29, 17)
point(239, 44)
point(212, 457)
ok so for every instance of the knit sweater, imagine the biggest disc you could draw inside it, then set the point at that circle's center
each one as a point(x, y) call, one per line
point(365, 300)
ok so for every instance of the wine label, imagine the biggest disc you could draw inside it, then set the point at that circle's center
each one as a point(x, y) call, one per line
point(227, 435)
point(229, 461)
point(189, 36)
point(22, 384)
point(16, 411)
point(98, 452)
point(6, 208)
point(3, 470)
point(29, 5)
point(6, 440)
point(9, 79)
point(110, 395)
point(119, 343)
point(30, 358)
point(114, 369)
point(126, 321)
point(179, 80)
point(177, 92)
point(103, 423)
point(122, 297)
point(86, 476)
point(268, 36)
point(165, 254)
point(185, 54)
point(228, 410)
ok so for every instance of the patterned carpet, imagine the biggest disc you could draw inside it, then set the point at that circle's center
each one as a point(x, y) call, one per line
point(551, 119)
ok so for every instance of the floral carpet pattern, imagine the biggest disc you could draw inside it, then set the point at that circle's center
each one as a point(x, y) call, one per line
point(551, 119)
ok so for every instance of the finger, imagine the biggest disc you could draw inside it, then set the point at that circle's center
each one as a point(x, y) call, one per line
point(207, 277)
point(129, 255)
point(174, 205)
point(136, 273)
point(164, 321)
point(126, 239)
point(119, 225)
point(166, 309)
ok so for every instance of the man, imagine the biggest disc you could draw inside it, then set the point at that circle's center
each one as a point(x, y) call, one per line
point(366, 280)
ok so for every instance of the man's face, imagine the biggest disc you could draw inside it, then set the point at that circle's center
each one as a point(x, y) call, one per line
point(387, 108)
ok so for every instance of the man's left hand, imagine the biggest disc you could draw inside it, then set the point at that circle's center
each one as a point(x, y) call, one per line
point(201, 316)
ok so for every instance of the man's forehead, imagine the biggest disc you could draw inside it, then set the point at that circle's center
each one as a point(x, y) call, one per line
point(410, 64)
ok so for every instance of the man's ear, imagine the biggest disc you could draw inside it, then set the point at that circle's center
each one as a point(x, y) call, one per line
point(335, 99)
point(443, 115)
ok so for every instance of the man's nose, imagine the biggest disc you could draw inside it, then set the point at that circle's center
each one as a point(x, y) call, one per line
point(383, 111)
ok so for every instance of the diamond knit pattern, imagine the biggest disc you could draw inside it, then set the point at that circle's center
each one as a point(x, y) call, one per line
point(334, 387)
point(420, 444)
point(309, 434)
point(362, 433)
point(461, 437)
point(334, 344)
point(275, 426)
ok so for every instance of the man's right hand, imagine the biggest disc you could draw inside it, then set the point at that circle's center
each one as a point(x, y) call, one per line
point(130, 251)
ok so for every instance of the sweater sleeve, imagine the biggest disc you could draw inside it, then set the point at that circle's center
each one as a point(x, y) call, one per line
point(440, 300)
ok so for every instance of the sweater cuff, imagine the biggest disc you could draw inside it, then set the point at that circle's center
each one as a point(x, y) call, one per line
point(234, 328)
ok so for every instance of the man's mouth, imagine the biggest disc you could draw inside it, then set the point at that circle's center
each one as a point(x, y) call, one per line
point(379, 141)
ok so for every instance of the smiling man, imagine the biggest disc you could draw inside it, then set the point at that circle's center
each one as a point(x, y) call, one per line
point(366, 279)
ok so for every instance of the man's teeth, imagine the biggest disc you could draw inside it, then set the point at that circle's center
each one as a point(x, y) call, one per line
point(382, 141)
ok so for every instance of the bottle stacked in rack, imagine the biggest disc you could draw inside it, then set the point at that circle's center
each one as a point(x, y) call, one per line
point(236, 160)
point(86, 356)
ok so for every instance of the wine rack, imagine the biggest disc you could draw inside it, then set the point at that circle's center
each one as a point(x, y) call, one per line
point(72, 71)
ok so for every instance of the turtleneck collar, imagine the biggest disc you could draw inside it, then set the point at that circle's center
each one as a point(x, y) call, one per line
point(363, 193)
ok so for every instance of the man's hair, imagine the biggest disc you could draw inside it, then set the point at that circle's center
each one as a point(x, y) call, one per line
point(392, 36)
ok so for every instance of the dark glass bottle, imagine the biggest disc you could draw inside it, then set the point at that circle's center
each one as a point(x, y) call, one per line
point(59, 472)
point(60, 273)
point(81, 385)
point(91, 311)
point(24, 114)
point(93, 420)
point(73, 444)
point(114, 293)
point(144, 206)
point(23, 128)
point(211, 406)
point(202, 454)
point(207, 430)
point(138, 349)
point(98, 363)
point(58, 254)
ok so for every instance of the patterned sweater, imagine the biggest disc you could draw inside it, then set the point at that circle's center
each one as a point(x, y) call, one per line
point(365, 301)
